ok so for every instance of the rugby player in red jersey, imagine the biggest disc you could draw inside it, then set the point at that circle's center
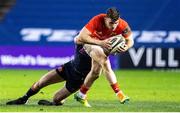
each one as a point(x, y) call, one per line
point(102, 27)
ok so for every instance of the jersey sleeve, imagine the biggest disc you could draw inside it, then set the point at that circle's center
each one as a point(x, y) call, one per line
point(92, 24)
point(126, 31)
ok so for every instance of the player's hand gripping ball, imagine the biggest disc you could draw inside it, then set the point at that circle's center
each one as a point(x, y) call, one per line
point(117, 42)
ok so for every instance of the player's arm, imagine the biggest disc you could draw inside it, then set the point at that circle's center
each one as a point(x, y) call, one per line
point(85, 37)
point(129, 41)
point(127, 33)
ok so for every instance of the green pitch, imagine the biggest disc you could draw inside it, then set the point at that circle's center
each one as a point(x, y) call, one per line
point(148, 90)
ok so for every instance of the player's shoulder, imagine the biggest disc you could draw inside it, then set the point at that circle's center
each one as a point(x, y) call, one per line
point(99, 16)
point(123, 22)
point(98, 19)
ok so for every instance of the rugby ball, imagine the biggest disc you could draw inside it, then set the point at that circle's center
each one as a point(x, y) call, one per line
point(116, 41)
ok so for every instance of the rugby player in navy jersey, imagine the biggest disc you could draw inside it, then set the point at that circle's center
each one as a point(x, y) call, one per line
point(73, 72)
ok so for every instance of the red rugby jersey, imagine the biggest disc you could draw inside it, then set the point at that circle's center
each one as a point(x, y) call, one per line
point(98, 29)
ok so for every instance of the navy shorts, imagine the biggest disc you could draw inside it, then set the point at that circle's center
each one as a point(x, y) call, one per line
point(74, 79)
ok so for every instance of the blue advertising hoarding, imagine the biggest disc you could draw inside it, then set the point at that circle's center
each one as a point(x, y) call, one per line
point(35, 30)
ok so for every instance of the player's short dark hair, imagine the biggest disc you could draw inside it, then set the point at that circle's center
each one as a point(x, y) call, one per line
point(113, 13)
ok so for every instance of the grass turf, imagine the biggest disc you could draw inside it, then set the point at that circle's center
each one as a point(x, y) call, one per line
point(148, 90)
